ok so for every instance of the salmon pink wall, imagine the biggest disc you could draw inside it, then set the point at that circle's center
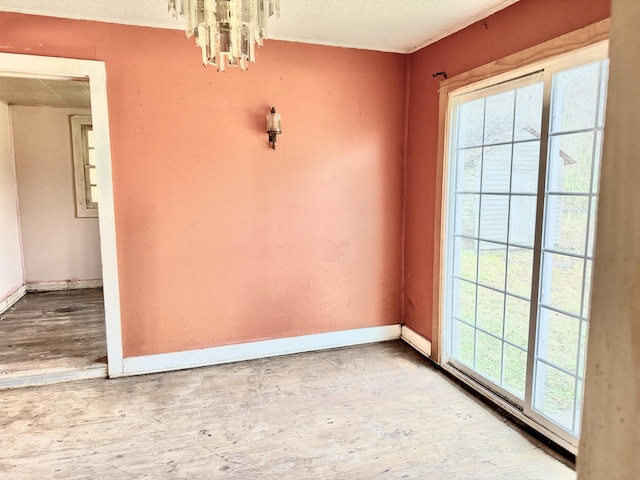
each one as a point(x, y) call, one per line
point(220, 239)
point(522, 25)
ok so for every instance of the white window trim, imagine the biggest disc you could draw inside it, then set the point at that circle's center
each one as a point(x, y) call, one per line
point(84, 208)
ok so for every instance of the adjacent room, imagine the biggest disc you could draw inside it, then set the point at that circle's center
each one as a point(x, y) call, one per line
point(50, 244)
point(318, 241)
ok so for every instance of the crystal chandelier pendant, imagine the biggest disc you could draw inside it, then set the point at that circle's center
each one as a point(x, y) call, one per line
point(227, 31)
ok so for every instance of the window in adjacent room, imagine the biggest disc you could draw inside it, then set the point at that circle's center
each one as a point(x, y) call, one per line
point(84, 161)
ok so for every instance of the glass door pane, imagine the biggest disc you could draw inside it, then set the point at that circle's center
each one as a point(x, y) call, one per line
point(575, 142)
point(496, 154)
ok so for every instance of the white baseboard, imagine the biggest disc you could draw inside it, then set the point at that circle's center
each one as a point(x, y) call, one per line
point(12, 298)
point(254, 350)
point(417, 341)
point(63, 285)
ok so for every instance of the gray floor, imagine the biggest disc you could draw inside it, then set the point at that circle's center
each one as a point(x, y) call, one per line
point(378, 411)
point(52, 334)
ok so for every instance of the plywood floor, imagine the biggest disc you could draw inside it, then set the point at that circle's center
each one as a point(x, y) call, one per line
point(378, 411)
point(53, 333)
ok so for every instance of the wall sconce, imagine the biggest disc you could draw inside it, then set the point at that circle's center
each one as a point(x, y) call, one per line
point(274, 126)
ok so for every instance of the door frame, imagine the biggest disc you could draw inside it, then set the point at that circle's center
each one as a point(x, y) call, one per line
point(40, 67)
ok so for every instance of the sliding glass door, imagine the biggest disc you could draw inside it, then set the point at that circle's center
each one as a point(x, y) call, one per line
point(524, 157)
point(491, 237)
point(570, 200)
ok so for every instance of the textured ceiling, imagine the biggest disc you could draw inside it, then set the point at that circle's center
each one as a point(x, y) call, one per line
point(390, 25)
point(53, 93)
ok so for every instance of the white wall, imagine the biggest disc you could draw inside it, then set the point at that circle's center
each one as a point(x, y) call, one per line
point(57, 245)
point(11, 274)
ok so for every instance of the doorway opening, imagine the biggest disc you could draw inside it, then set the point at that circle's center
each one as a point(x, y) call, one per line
point(59, 293)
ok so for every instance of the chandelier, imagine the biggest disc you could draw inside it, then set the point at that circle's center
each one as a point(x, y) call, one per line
point(227, 31)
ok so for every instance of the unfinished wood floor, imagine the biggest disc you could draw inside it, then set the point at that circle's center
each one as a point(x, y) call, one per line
point(53, 333)
point(371, 412)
